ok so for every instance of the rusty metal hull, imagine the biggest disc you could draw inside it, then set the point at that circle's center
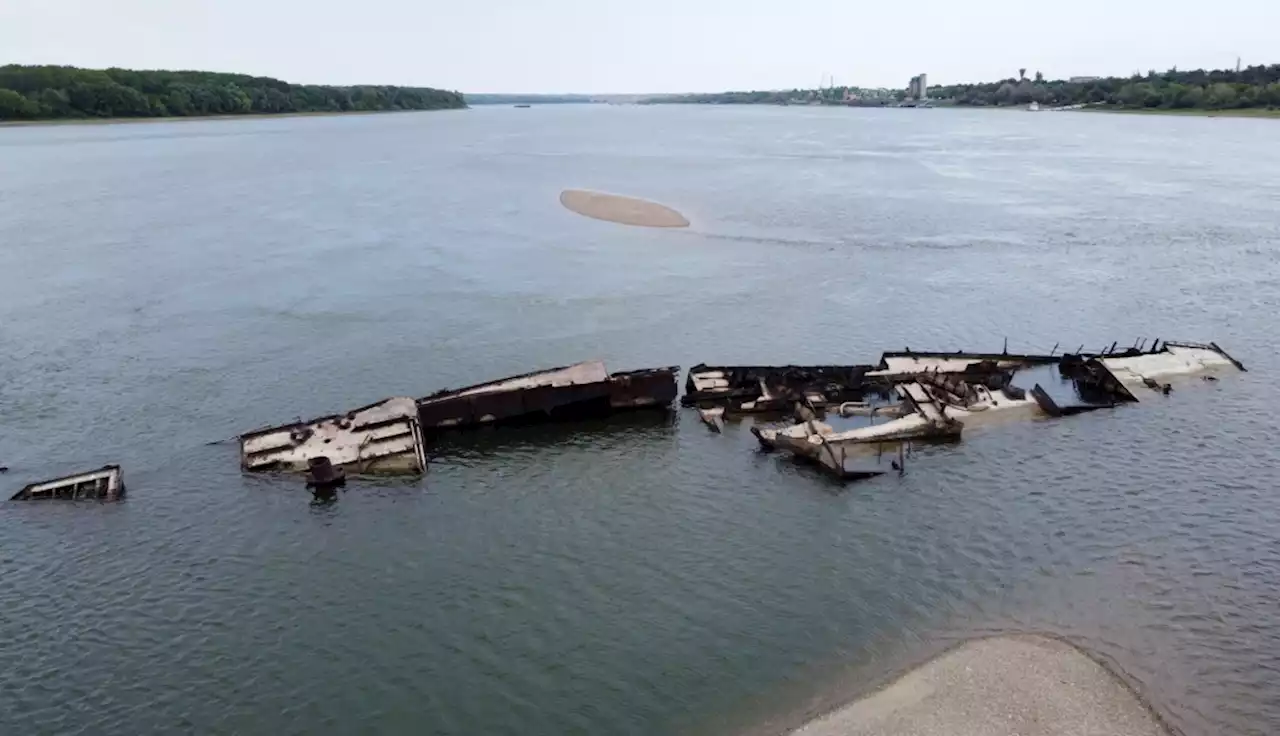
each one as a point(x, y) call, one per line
point(580, 391)
point(742, 388)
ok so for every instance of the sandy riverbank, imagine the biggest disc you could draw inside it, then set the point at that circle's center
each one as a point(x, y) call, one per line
point(1002, 686)
point(1241, 112)
point(619, 209)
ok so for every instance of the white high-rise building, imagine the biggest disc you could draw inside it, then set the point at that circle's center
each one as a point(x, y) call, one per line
point(918, 88)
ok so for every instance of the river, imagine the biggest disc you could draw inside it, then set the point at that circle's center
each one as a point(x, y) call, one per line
point(168, 285)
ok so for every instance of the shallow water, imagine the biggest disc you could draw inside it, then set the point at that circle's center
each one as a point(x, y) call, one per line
point(170, 285)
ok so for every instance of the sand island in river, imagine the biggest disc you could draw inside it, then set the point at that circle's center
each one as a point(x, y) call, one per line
point(619, 209)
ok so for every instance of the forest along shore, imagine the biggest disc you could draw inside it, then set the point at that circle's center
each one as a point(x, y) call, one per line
point(194, 118)
point(56, 93)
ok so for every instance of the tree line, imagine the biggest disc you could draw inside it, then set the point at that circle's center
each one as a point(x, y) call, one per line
point(1224, 89)
point(62, 92)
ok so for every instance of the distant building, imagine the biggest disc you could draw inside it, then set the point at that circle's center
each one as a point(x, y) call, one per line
point(1083, 80)
point(918, 88)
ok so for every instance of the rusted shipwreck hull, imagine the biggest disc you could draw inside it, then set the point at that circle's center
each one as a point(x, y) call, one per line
point(973, 367)
point(581, 390)
point(756, 389)
point(382, 438)
point(105, 484)
point(942, 392)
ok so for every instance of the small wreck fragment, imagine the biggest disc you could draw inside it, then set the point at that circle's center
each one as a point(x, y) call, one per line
point(1116, 375)
point(382, 438)
point(713, 418)
point(936, 407)
point(577, 391)
point(105, 484)
point(921, 416)
point(1175, 359)
point(760, 389)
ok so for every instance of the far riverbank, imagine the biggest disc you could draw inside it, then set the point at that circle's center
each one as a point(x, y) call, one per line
point(1244, 112)
point(200, 118)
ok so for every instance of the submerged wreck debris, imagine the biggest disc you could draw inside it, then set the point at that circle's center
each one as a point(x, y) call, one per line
point(105, 484)
point(1173, 360)
point(941, 393)
point(322, 475)
point(577, 391)
point(908, 365)
point(713, 418)
point(842, 414)
point(324, 480)
point(759, 389)
point(389, 437)
point(382, 438)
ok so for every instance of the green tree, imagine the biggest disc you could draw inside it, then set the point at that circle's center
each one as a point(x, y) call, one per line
point(56, 102)
point(1193, 97)
point(14, 106)
point(1221, 96)
point(60, 91)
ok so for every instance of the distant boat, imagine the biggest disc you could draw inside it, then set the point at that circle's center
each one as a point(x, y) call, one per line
point(523, 105)
point(1033, 107)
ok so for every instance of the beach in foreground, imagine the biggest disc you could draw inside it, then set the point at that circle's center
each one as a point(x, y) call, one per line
point(1002, 686)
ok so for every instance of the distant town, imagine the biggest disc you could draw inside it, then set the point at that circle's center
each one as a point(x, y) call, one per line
point(1250, 90)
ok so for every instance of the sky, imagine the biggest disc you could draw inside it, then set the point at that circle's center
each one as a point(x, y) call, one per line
point(639, 46)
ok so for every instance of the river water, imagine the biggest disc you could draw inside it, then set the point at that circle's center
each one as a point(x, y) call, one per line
point(168, 285)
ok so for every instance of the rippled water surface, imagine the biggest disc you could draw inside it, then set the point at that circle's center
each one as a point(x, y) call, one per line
point(164, 286)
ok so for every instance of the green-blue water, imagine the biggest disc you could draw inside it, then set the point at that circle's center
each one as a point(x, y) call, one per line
point(167, 285)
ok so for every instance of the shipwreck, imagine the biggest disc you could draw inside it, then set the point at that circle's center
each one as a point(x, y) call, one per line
point(765, 389)
point(391, 436)
point(579, 391)
point(938, 394)
point(104, 484)
point(382, 438)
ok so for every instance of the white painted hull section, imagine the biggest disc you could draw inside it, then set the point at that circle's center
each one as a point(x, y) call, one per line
point(1174, 360)
point(382, 438)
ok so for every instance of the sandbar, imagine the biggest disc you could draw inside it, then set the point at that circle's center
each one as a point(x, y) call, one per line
point(622, 210)
point(1002, 686)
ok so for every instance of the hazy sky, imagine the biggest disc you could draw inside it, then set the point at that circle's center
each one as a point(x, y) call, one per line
point(639, 45)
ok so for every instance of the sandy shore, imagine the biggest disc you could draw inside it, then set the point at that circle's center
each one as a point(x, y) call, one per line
point(1244, 112)
point(1003, 686)
point(623, 210)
